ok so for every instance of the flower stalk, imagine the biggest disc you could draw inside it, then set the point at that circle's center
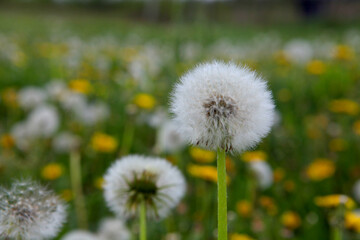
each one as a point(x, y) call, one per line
point(222, 195)
point(142, 220)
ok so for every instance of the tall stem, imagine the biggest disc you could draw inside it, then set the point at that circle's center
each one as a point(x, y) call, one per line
point(128, 138)
point(76, 184)
point(337, 233)
point(142, 221)
point(222, 201)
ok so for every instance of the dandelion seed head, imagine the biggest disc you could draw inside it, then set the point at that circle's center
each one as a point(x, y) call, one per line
point(222, 105)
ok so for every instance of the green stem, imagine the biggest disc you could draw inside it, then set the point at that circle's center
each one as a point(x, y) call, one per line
point(142, 221)
point(76, 184)
point(222, 201)
point(127, 138)
point(337, 235)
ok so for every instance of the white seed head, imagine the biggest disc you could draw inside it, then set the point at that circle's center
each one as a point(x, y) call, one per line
point(263, 173)
point(113, 229)
point(135, 178)
point(80, 235)
point(29, 211)
point(43, 121)
point(222, 105)
point(30, 97)
point(66, 142)
point(169, 140)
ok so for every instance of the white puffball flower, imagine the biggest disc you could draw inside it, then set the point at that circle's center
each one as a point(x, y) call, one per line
point(65, 142)
point(43, 121)
point(356, 190)
point(299, 51)
point(22, 136)
point(56, 88)
point(134, 178)
point(31, 212)
point(80, 235)
point(222, 105)
point(93, 113)
point(113, 229)
point(263, 173)
point(30, 97)
point(169, 139)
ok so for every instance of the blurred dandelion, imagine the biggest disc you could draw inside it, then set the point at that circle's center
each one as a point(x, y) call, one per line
point(151, 186)
point(30, 211)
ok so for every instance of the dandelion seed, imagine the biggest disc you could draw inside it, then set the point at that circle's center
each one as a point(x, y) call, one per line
point(29, 211)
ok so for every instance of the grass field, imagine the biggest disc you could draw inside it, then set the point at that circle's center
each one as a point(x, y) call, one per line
point(124, 72)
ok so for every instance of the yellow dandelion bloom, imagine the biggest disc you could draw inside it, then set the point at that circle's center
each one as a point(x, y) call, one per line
point(144, 101)
point(102, 142)
point(244, 208)
point(67, 195)
point(202, 155)
point(320, 169)
point(81, 86)
point(357, 127)
point(7, 141)
point(337, 145)
point(52, 171)
point(352, 221)
point(316, 67)
point(268, 203)
point(279, 174)
point(345, 106)
point(99, 182)
point(236, 236)
point(9, 96)
point(291, 220)
point(208, 173)
point(335, 200)
point(344, 52)
point(254, 156)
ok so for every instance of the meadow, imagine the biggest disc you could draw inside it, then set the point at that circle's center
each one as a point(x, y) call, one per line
point(107, 83)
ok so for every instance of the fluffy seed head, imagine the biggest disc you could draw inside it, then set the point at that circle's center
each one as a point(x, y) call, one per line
point(222, 105)
point(134, 178)
point(29, 211)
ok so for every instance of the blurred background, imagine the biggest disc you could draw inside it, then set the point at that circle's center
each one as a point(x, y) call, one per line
point(89, 81)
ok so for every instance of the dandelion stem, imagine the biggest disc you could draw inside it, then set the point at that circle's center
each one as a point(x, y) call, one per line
point(337, 233)
point(142, 220)
point(127, 138)
point(222, 201)
point(76, 184)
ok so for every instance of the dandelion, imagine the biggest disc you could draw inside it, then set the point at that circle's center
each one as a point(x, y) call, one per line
point(7, 141)
point(244, 208)
point(10, 97)
point(320, 169)
point(253, 156)
point(169, 140)
point(31, 97)
point(29, 211)
point(145, 101)
point(316, 67)
point(263, 173)
point(202, 155)
point(345, 106)
point(352, 221)
point(80, 235)
point(237, 236)
point(222, 107)
point(52, 171)
point(151, 185)
point(208, 173)
point(335, 200)
point(65, 142)
point(291, 220)
point(102, 142)
point(112, 229)
point(299, 51)
point(43, 121)
point(357, 127)
point(80, 86)
point(344, 52)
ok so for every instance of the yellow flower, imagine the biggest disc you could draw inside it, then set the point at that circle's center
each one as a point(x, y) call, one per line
point(145, 101)
point(202, 155)
point(254, 156)
point(7, 141)
point(320, 169)
point(291, 220)
point(81, 86)
point(244, 208)
point(344, 52)
point(52, 171)
point(337, 145)
point(67, 195)
point(99, 182)
point(345, 106)
point(268, 203)
point(279, 174)
point(208, 173)
point(9, 96)
point(316, 67)
point(236, 236)
point(281, 59)
point(357, 127)
point(352, 221)
point(102, 142)
point(335, 200)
